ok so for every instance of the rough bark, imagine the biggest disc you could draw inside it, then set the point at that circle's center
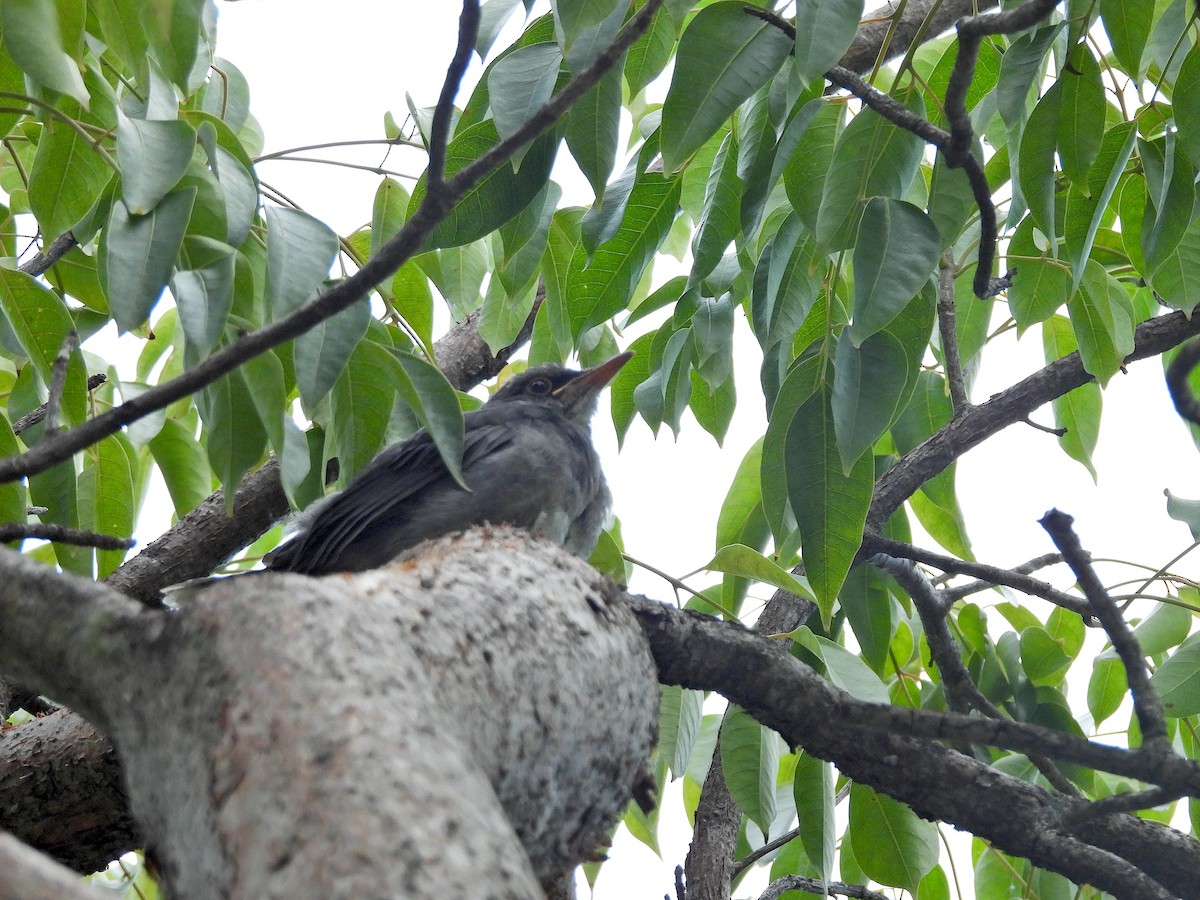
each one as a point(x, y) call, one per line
point(404, 732)
point(61, 791)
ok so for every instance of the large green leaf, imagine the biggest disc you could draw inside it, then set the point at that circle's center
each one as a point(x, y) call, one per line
point(436, 405)
point(812, 787)
point(1102, 319)
point(1080, 113)
point(1035, 162)
point(807, 169)
point(601, 287)
point(184, 465)
point(520, 84)
point(322, 351)
point(1177, 681)
point(496, 197)
point(724, 56)
point(236, 439)
point(750, 760)
point(33, 36)
point(593, 129)
point(1043, 282)
point(106, 496)
point(68, 176)
point(204, 297)
point(300, 250)
point(153, 156)
point(361, 401)
point(13, 500)
point(874, 159)
point(41, 322)
point(650, 53)
point(787, 280)
point(1127, 23)
point(830, 505)
point(869, 382)
point(679, 726)
point(719, 221)
point(798, 386)
point(896, 254)
point(891, 843)
point(1078, 411)
point(139, 252)
point(823, 34)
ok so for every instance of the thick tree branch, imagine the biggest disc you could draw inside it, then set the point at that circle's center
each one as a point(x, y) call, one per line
point(48, 531)
point(898, 751)
point(978, 423)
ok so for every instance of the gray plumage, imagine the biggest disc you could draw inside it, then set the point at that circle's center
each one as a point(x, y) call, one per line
point(528, 461)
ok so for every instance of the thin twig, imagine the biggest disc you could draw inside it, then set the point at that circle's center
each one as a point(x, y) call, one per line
point(948, 329)
point(953, 594)
point(781, 886)
point(1123, 803)
point(993, 575)
point(331, 145)
point(962, 694)
point(40, 262)
point(1146, 704)
point(58, 381)
point(1037, 426)
point(439, 129)
point(38, 413)
point(47, 531)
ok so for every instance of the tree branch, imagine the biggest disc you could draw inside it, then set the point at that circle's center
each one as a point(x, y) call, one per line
point(977, 424)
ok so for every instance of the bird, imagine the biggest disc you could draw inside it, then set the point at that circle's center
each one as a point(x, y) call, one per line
point(528, 461)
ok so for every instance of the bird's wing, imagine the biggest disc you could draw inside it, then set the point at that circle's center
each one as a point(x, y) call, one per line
point(380, 493)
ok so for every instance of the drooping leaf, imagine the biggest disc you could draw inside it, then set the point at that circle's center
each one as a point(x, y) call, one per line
point(153, 156)
point(724, 56)
point(300, 250)
point(67, 178)
point(750, 758)
point(890, 842)
point(823, 34)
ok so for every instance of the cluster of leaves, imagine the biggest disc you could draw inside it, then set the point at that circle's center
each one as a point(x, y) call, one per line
point(829, 227)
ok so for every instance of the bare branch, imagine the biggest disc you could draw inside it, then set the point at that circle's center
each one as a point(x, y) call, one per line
point(1146, 704)
point(47, 531)
point(778, 888)
point(37, 414)
point(58, 248)
point(439, 131)
point(58, 380)
point(948, 330)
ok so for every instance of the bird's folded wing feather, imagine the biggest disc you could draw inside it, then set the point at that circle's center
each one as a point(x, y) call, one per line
point(381, 491)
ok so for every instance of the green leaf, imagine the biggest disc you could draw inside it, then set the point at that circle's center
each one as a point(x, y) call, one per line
point(1042, 657)
point(184, 465)
point(236, 439)
point(1035, 161)
point(574, 19)
point(361, 401)
point(1166, 627)
point(1186, 511)
point(1043, 282)
point(1177, 681)
point(719, 220)
point(14, 502)
point(893, 845)
point(57, 490)
point(139, 252)
point(787, 281)
point(437, 408)
point(300, 250)
point(1081, 113)
point(869, 610)
point(389, 212)
point(823, 34)
point(1185, 99)
point(33, 36)
point(1170, 182)
point(520, 83)
point(106, 499)
point(153, 156)
point(650, 53)
point(868, 384)
point(874, 159)
point(602, 287)
point(1127, 23)
point(896, 254)
point(830, 505)
point(801, 381)
point(1077, 411)
point(1107, 688)
point(679, 726)
point(204, 297)
point(807, 169)
point(322, 351)
point(41, 323)
point(750, 759)
point(496, 197)
point(812, 787)
point(1114, 154)
point(738, 559)
point(1102, 319)
point(67, 178)
point(593, 129)
point(724, 56)
point(844, 669)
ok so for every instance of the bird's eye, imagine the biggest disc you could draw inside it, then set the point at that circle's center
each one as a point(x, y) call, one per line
point(540, 386)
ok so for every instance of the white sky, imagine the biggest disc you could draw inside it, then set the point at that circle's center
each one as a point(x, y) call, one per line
point(321, 72)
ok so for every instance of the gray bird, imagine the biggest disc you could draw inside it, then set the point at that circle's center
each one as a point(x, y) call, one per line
point(528, 461)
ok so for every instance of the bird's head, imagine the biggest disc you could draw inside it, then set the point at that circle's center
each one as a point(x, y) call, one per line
point(576, 392)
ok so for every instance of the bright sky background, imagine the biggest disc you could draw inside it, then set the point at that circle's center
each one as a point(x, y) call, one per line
point(322, 72)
